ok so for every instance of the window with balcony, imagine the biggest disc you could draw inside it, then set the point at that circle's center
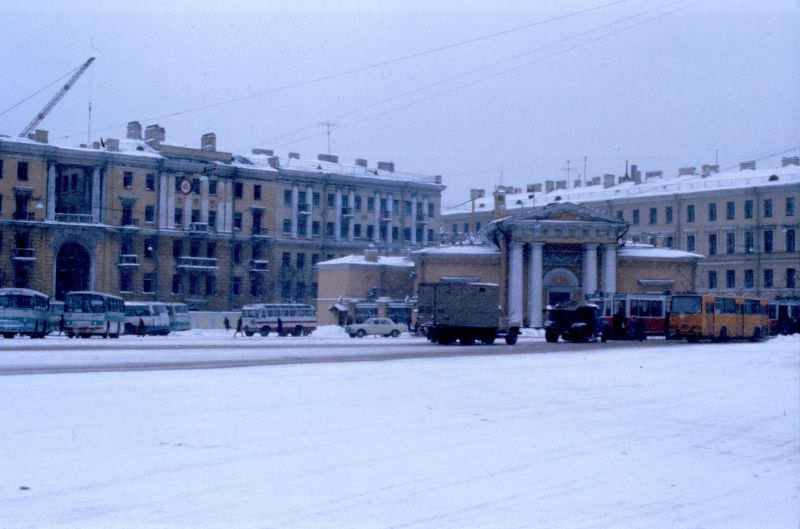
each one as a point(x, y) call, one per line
point(177, 248)
point(127, 215)
point(177, 283)
point(194, 248)
point(790, 206)
point(178, 216)
point(149, 247)
point(149, 283)
point(149, 214)
point(125, 280)
point(211, 250)
point(127, 179)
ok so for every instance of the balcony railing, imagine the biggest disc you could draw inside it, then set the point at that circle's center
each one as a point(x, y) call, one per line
point(258, 231)
point(128, 259)
point(259, 265)
point(129, 222)
point(81, 218)
point(304, 209)
point(23, 254)
point(347, 212)
point(197, 263)
point(199, 227)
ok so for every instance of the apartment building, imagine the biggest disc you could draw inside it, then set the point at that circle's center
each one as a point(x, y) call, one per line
point(150, 220)
point(744, 222)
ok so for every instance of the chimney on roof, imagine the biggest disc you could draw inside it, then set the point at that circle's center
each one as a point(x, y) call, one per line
point(744, 166)
point(361, 162)
point(112, 144)
point(561, 184)
point(595, 181)
point(331, 158)
point(687, 171)
point(208, 142)
point(40, 136)
point(294, 155)
point(609, 180)
point(386, 166)
point(134, 130)
point(577, 183)
point(265, 152)
point(636, 174)
point(274, 162)
point(790, 160)
point(371, 255)
point(155, 134)
point(653, 174)
point(709, 169)
point(549, 185)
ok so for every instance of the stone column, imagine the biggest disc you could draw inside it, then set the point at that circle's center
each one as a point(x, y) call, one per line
point(228, 216)
point(96, 198)
point(535, 287)
point(310, 210)
point(390, 215)
point(589, 269)
point(515, 282)
point(425, 226)
point(51, 192)
point(610, 268)
point(204, 199)
point(162, 200)
point(376, 234)
point(352, 206)
point(414, 220)
point(295, 198)
point(337, 225)
point(170, 206)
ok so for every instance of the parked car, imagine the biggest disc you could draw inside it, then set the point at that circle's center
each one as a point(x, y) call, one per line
point(574, 323)
point(379, 326)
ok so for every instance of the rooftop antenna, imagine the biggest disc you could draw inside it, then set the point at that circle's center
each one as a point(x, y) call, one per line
point(568, 169)
point(585, 170)
point(328, 125)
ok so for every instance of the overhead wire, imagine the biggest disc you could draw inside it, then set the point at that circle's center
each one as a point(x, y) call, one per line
point(15, 105)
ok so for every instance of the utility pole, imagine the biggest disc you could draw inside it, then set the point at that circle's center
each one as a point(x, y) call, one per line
point(328, 125)
point(568, 169)
point(585, 173)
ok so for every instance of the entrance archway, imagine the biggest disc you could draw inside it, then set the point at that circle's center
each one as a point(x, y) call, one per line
point(73, 266)
point(560, 285)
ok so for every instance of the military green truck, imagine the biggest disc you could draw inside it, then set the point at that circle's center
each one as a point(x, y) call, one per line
point(467, 312)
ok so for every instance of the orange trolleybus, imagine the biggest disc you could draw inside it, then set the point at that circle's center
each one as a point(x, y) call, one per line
point(718, 317)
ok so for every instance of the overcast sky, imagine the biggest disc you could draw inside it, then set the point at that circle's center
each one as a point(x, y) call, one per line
point(476, 91)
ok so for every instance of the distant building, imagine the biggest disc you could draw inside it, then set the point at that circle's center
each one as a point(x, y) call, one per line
point(149, 220)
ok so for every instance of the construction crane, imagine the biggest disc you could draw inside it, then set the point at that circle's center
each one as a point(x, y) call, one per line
point(56, 98)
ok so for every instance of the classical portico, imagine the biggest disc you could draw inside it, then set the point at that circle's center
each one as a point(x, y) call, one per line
point(555, 253)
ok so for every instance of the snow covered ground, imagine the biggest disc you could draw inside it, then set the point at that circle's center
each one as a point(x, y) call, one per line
point(692, 436)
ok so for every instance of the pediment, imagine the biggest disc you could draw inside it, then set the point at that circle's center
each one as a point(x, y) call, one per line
point(567, 211)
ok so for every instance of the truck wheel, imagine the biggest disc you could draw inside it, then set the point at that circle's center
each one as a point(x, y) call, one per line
point(446, 338)
point(488, 339)
point(466, 339)
point(395, 333)
point(249, 333)
point(264, 331)
point(511, 337)
point(551, 335)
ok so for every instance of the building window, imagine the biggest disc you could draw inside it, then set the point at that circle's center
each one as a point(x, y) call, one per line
point(767, 278)
point(127, 215)
point(395, 233)
point(690, 213)
point(791, 278)
point(315, 228)
point(286, 290)
point(749, 281)
point(238, 190)
point(149, 214)
point(653, 215)
point(286, 260)
point(149, 247)
point(768, 246)
point(195, 215)
point(748, 209)
point(749, 242)
point(370, 231)
point(236, 285)
point(22, 171)
point(125, 281)
point(286, 227)
point(301, 260)
point(177, 284)
point(329, 228)
point(712, 212)
point(406, 234)
point(712, 279)
point(177, 248)
point(127, 179)
point(194, 249)
point(730, 279)
point(314, 259)
point(315, 198)
point(690, 245)
point(620, 215)
point(194, 285)
point(357, 231)
point(370, 203)
point(331, 200)
point(212, 219)
point(237, 220)
point(431, 209)
point(237, 253)
point(636, 217)
point(178, 216)
point(257, 192)
point(730, 243)
point(669, 242)
point(790, 242)
point(212, 187)
point(790, 206)
point(430, 235)
point(196, 186)
point(150, 182)
point(712, 244)
point(730, 210)
point(466, 227)
point(211, 250)
point(767, 207)
point(1, 169)
point(149, 283)
point(211, 285)
point(668, 215)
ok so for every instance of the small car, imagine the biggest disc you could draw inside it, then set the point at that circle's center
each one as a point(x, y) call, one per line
point(378, 326)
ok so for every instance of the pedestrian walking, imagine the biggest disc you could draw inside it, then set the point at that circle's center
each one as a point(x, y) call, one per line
point(227, 324)
point(280, 327)
point(61, 325)
point(238, 328)
point(141, 327)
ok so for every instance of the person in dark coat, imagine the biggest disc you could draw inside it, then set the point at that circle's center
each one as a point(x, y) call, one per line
point(227, 324)
point(141, 327)
point(280, 327)
point(61, 325)
point(238, 328)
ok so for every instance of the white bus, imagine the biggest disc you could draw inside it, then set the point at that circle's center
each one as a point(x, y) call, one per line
point(178, 317)
point(282, 318)
point(153, 314)
point(89, 313)
point(24, 312)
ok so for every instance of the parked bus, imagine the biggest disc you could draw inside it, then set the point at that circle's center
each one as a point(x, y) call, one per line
point(24, 312)
point(152, 314)
point(54, 322)
point(178, 317)
point(263, 318)
point(93, 313)
point(717, 317)
point(633, 316)
point(784, 316)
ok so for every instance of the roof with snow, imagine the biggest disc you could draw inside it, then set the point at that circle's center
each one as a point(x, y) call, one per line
point(648, 251)
point(654, 186)
point(462, 250)
point(361, 260)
